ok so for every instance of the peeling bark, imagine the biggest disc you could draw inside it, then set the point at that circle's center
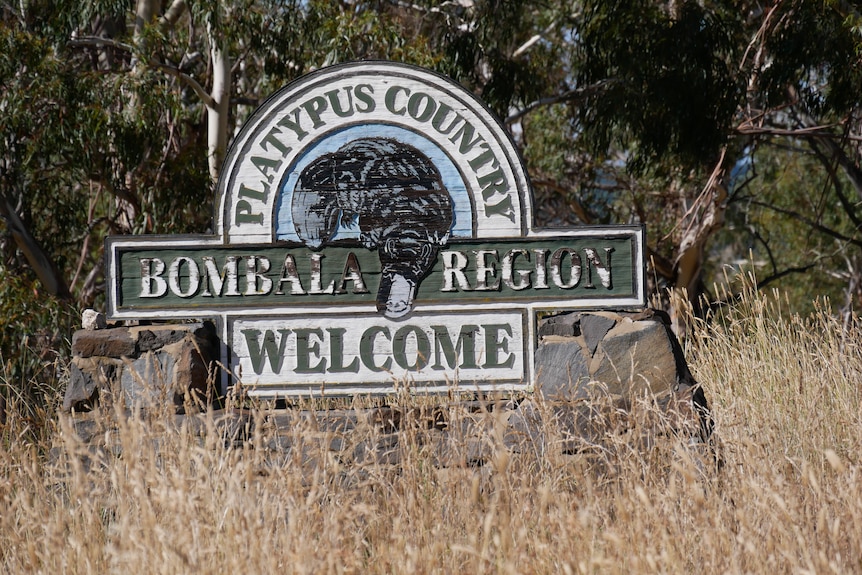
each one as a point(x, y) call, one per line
point(699, 224)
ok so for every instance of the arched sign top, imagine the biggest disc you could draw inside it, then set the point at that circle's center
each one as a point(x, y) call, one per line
point(324, 111)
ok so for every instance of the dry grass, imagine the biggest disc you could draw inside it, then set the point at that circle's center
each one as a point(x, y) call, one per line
point(785, 398)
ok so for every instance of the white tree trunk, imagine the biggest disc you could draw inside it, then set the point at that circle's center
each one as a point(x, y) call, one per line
point(217, 110)
point(43, 265)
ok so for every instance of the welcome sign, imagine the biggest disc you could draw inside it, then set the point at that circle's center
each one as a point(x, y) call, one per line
point(374, 228)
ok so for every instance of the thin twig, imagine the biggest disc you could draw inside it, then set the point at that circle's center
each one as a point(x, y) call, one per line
point(92, 41)
point(568, 96)
point(808, 221)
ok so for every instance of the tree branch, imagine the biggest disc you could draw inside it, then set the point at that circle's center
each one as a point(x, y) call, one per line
point(839, 189)
point(91, 41)
point(98, 42)
point(574, 204)
point(809, 222)
point(778, 275)
point(526, 45)
point(824, 132)
point(757, 235)
point(208, 100)
point(534, 40)
point(569, 96)
point(44, 267)
point(245, 101)
point(662, 265)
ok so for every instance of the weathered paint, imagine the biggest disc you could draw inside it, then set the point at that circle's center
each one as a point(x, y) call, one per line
point(373, 229)
point(235, 278)
point(367, 353)
point(325, 109)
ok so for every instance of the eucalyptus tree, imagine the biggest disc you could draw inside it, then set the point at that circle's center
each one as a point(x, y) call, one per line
point(671, 113)
point(115, 116)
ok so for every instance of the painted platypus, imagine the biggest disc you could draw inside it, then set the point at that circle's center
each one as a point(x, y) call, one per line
point(395, 195)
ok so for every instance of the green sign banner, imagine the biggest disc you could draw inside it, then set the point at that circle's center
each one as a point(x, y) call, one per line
point(579, 271)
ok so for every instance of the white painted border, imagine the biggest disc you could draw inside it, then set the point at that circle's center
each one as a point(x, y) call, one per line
point(529, 340)
point(113, 244)
point(523, 367)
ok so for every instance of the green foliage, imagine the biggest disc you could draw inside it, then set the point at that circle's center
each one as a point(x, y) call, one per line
point(482, 54)
point(671, 87)
point(34, 337)
point(626, 112)
point(816, 53)
point(765, 236)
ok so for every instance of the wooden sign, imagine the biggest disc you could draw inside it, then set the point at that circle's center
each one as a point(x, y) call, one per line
point(374, 230)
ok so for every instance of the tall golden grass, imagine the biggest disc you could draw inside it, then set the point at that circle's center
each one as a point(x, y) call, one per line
point(784, 394)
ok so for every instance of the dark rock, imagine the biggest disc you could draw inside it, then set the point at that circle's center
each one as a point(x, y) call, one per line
point(146, 381)
point(565, 324)
point(88, 429)
point(556, 329)
point(82, 391)
point(594, 327)
point(585, 424)
point(192, 378)
point(634, 356)
point(525, 430)
point(88, 377)
point(154, 339)
point(115, 343)
point(561, 368)
point(206, 331)
point(154, 365)
point(595, 381)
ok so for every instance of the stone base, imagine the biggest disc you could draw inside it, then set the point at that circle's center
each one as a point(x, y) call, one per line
point(467, 435)
point(598, 374)
point(592, 365)
point(148, 366)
